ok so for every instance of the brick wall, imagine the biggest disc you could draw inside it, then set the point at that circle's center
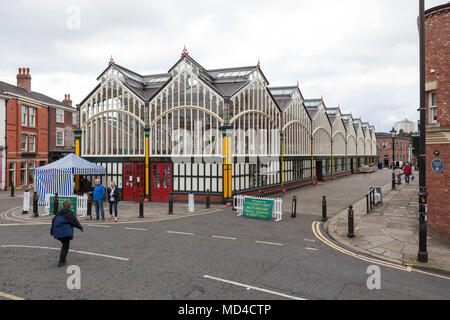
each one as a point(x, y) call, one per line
point(67, 127)
point(14, 131)
point(401, 149)
point(437, 35)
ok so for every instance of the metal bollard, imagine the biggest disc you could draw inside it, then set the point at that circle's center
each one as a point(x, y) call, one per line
point(324, 209)
point(294, 207)
point(208, 200)
point(351, 222)
point(55, 204)
point(367, 203)
point(12, 189)
point(393, 180)
point(171, 203)
point(35, 205)
point(89, 205)
point(141, 206)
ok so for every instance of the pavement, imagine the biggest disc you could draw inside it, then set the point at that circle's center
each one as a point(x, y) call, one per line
point(128, 212)
point(390, 230)
point(211, 256)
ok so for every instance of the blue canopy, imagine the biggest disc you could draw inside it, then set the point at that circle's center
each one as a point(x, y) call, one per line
point(58, 176)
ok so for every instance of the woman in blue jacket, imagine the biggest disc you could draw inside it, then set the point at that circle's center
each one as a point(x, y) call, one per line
point(62, 229)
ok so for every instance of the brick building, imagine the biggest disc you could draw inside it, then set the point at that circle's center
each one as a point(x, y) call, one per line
point(437, 55)
point(25, 134)
point(385, 150)
point(61, 134)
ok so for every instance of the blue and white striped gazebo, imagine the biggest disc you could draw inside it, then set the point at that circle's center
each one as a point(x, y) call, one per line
point(58, 176)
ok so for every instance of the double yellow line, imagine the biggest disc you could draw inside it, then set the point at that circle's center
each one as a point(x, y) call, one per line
point(10, 296)
point(319, 235)
point(4, 215)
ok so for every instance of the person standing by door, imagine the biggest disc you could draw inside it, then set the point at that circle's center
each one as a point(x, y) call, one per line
point(62, 229)
point(99, 195)
point(113, 200)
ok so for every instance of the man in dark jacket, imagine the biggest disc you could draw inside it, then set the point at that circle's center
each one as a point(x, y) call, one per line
point(62, 229)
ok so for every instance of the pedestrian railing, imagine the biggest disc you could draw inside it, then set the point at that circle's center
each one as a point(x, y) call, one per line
point(277, 211)
point(82, 204)
point(370, 200)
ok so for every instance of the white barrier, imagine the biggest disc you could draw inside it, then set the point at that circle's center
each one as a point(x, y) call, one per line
point(277, 212)
point(81, 205)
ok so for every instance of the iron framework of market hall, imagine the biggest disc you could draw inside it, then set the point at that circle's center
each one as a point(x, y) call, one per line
point(222, 132)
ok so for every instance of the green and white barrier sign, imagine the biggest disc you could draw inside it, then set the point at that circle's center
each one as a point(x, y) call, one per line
point(61, 200)
point(258, 208)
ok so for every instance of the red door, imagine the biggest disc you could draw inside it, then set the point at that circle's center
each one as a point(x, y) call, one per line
point(140, 181)
point(161, 182)
point(128, 182)
point(133, 181)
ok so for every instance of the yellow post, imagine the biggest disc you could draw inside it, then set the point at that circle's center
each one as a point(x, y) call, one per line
point(227, 164)
point(78, 135)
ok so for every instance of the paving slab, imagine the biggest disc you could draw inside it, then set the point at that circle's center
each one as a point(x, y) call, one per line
point(391, 230)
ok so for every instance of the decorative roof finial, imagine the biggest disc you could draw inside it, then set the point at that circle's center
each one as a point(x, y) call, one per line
point(259, 64)
point(185, 53)
point(111, 61)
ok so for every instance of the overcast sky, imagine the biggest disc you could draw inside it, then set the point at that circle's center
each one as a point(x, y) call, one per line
point(359, 54)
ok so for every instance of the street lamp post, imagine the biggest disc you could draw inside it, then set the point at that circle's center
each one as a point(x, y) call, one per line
point(423, 194)
point(393, 134)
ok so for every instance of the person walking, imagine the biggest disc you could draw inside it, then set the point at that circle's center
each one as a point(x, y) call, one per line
point(113, 199)
point(62, 229)
point(99, 195)
point(407, 171)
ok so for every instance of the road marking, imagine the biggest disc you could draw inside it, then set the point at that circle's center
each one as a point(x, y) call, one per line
point(309, 240)
point(248, 287)
point(270, 243)
point(97, 226)
point(312, 249)
point(10, 296)
point(136, 229)
point(201, 213)
point(183, 233)
point(321, 237)
point(74, 251)
point(225, 238)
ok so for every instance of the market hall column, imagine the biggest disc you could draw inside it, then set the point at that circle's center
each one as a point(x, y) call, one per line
point(78, 134)
point(147, 163)
point(227, 133)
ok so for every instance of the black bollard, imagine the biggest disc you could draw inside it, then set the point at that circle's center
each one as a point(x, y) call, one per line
point(294, 207)
point(208, 200)
point(141, 206)
point(324, 209)
point(367, 204)
point(393, 181)
point(55, 204)
point(89, 205)
point(35, 205)
point(351, 222)
point(12, 189)
point(171, 203)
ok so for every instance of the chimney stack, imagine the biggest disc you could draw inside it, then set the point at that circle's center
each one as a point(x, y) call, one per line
point(24, 79)
point(67, 100)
